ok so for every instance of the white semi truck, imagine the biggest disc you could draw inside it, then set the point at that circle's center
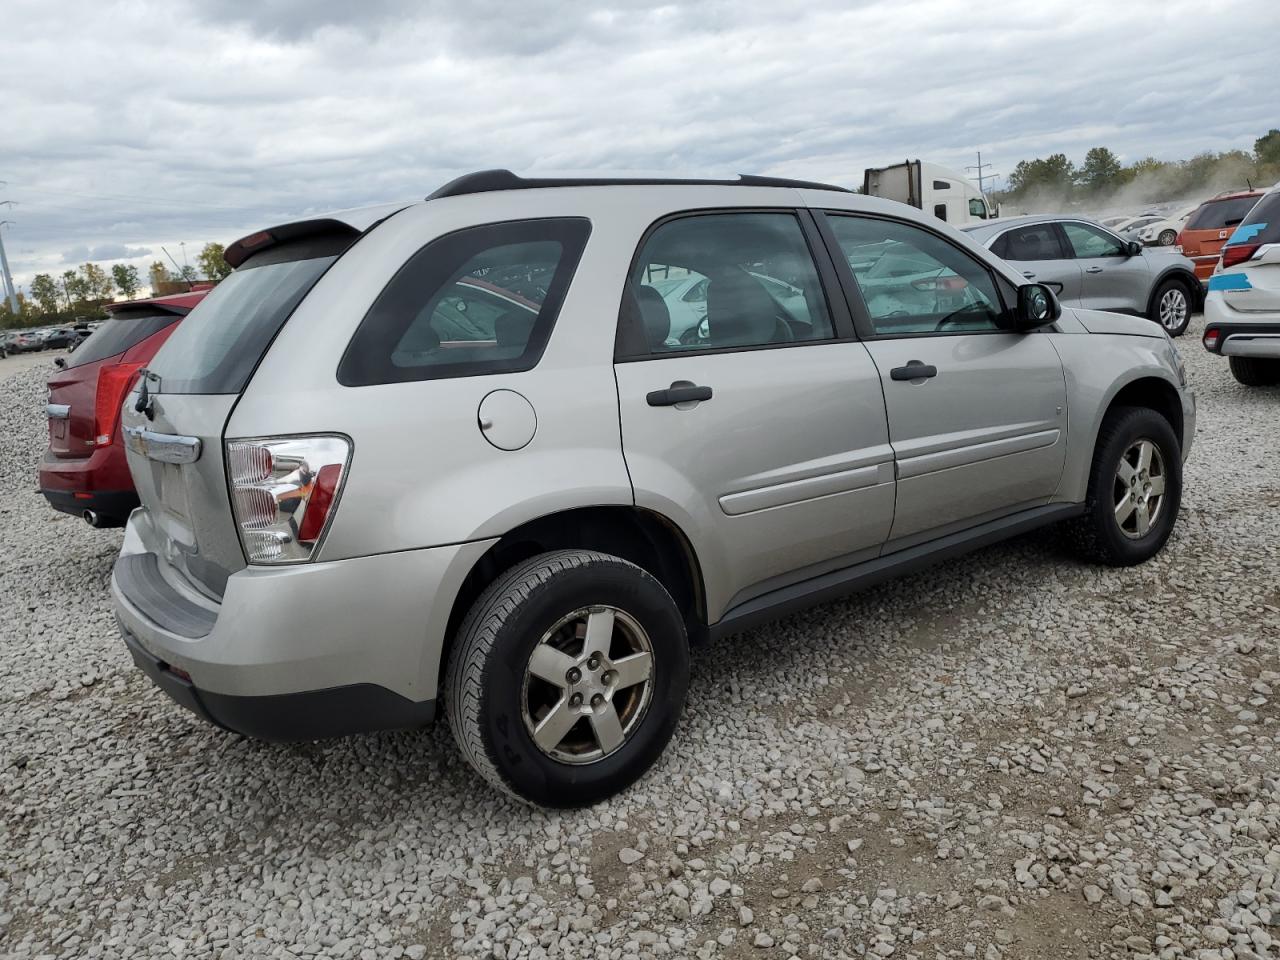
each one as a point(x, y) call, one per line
point(948, 195)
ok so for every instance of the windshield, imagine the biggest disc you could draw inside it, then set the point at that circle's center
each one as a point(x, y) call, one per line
point(1217, 214)
point(216, 349)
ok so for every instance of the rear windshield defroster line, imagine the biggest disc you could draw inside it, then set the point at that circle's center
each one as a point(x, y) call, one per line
point(218, 346)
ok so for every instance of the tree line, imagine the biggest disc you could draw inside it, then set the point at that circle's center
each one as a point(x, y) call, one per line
point(82, 292)
point(1103, 179)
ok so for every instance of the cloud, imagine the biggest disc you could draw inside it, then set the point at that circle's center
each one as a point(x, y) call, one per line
point(269, 109)
point(104, 251)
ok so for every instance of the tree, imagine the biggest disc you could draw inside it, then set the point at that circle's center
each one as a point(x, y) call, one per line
point(1267, 148)
point(1054, 175)
point(213, 262)
point(188, 273)
point(74, 288)
point(97, 285)
point(1101, 171)
point(126, 279)
point(44, 290)
point(158, 274)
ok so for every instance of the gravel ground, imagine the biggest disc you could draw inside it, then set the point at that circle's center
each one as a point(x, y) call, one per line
point(1011, 755)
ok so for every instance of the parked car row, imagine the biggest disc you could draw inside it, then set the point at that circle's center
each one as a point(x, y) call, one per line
point(396, 464)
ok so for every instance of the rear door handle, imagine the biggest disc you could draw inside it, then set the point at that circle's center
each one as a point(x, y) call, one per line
point(914, 370)
point(1092, 269)
point(681, 391)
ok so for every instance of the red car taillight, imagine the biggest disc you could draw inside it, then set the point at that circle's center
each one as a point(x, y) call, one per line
point(1211, 338)
point(1238, 253)
point(114, 383)
point(283, 493)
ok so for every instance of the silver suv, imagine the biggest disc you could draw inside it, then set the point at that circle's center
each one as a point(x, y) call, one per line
point(1087, 265)
point(454, 453)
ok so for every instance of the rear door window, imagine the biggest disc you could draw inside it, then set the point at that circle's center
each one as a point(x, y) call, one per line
point(1038, 241)
point(217, 349)
point(479, 301)
point(118, 333)
point(1219, 214)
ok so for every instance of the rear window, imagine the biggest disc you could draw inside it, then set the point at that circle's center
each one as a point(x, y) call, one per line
point(479, 301)
point(1219, 214)
point(217, 349)
point(1262, 225)
point(118, 333)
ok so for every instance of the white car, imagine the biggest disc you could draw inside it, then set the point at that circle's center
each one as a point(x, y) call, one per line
point(1163, 231)
point(1129, 228)
point(1242, 305)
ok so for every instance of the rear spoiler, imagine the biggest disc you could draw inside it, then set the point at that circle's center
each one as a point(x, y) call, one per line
point(150, 309)
point(349, 223)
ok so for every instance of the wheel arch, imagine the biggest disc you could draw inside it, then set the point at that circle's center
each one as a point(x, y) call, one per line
point(1187, 278)
point(1149, 391)
point(644, 537)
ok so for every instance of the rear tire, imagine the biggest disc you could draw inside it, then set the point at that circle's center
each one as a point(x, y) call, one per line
point(1167, 238)
point(567, 678)
point(1255, 371)
point(1112, 530)
point(1171, 307)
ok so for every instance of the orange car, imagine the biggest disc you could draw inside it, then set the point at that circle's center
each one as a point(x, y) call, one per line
point(1211, 226)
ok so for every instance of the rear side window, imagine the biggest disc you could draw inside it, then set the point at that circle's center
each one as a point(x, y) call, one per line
point(1262, 225)
point(1219, 214)
point(118, 333)
point(1038, 241)
point(479, 301)
point(216, 350)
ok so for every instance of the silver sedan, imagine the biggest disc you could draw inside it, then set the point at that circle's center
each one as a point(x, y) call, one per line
point(1092, 267)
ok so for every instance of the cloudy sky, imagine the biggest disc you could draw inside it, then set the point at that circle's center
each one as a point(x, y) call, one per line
point(137, 124)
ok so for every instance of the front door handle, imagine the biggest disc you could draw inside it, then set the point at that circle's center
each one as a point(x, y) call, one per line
point(914, 370)
point(681, 391)
point(1028, 274)
point(1092, 269)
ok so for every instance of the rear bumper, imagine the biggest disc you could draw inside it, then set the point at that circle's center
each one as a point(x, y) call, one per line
point(309, 715)
point(99, 482)
point(299, 651)
point(112, 507)
point(1241, 334)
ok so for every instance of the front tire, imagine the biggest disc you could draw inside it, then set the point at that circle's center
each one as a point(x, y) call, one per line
point(567, 678)
point(1167, 238)
point(1255, 371)
point(1135, 489)
point(1171, 307)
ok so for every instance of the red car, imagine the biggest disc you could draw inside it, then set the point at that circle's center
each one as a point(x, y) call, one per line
point(1211, 226)
point(84, 470)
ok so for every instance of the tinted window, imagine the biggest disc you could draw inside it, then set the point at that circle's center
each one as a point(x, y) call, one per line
point(118, 333)
point(478, 301)
point(723, 281)
point(1087, 241)
point(1262, 225)
point(941, 185)
point(217, 348)
point(940, 211)
point(1038, 241)
point(1215, 214)
point(914, 282)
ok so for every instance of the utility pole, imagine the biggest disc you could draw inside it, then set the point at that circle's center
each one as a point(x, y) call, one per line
point(982, 177)
point(10, 293)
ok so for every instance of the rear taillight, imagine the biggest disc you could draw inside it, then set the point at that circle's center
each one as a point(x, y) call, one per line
point(1211, 338)
point(114, 383)
point(284, 493)
point(1234, 253)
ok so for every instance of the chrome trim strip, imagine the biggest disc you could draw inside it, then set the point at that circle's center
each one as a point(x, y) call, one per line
point(163, 447)
point(1251, 345)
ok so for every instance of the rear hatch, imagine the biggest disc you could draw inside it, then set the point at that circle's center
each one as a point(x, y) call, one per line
point(1251, 261)
point(174, 428)
point(85, 395)
point(1210, 227)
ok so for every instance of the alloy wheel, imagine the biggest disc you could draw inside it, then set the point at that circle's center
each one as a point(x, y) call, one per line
point(1173, 308)
point(1139, 489)
point(587, 684)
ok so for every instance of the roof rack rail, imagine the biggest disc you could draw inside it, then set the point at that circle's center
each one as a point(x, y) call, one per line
point(487, 181)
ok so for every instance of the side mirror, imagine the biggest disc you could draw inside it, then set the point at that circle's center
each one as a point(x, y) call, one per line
point(1132, 248)
point(1037, 307)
